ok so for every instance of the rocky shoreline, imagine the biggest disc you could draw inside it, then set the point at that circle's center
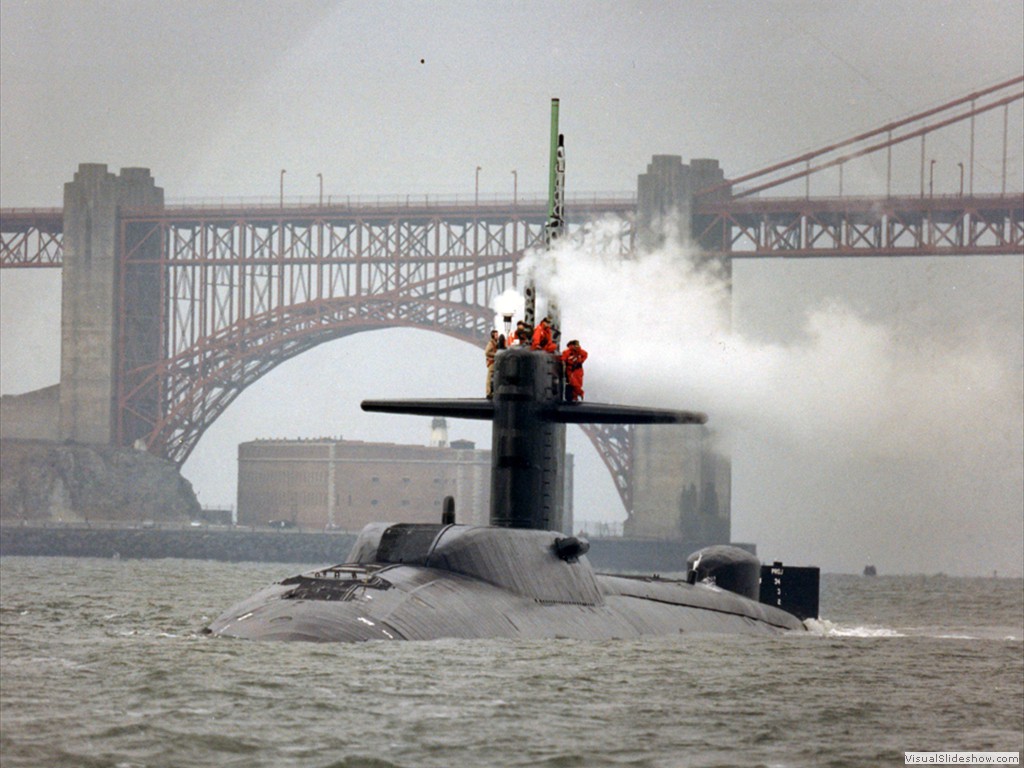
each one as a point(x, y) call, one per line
point(42, 480)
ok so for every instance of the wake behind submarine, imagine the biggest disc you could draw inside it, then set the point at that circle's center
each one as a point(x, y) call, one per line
point(519, 577)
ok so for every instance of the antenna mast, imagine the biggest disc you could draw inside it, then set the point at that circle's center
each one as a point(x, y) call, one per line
point(555, 226)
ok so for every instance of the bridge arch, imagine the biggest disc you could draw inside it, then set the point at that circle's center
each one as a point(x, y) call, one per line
point(239, 292)
point(315, 396)
point(201, 382)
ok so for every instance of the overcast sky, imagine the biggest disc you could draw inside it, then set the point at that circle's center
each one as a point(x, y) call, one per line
point(409, 98)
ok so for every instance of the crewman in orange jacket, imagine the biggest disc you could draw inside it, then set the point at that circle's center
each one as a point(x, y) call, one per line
point(572, 361)
point(520, 336)
point(542, 338)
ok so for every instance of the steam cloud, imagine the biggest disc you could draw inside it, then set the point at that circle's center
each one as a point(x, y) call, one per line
point(854, 440)
point(659, 330)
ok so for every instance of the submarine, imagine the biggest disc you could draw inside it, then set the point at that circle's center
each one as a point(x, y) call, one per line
point(518, 577)
point(521, 576)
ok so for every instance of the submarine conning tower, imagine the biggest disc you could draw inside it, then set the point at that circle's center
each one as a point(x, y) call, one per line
point(527, 412)
point(527, 439)
point(527, 449)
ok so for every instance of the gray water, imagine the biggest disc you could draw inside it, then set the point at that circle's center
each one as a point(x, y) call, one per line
point(102, 664)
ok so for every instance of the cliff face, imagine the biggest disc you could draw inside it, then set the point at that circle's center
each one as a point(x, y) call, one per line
point(42, 480)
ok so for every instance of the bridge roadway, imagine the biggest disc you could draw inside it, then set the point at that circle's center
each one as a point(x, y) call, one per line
point(791, 227)
point(32, 237)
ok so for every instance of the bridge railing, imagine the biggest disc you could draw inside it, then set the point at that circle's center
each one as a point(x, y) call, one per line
point(387, 201)
point(794, 203)
point(31, 212)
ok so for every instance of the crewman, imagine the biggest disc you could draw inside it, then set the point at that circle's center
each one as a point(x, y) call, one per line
point(520, 336)
point(572, 361)
point(489, 352)
point(542, 338)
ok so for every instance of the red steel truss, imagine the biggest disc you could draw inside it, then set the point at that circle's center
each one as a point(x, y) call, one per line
point(242, 292)
point(948, 225)
point(31, 237)
point(838, 227)
point(614, 443)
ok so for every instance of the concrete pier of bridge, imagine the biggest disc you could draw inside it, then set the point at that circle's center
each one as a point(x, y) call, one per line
point(666, 196)
point(90, 329)
point(681, 484)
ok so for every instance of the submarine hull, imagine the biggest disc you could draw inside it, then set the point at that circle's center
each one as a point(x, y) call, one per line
point(481, 582)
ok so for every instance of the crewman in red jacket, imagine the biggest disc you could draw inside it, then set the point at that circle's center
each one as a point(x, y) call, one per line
point(572, 361)
point(542, 337)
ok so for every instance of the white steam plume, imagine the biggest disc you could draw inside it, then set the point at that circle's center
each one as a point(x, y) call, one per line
point(658, 330)
point(894, 441)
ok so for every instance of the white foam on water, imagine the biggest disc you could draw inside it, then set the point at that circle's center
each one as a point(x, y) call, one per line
point(826, 628)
